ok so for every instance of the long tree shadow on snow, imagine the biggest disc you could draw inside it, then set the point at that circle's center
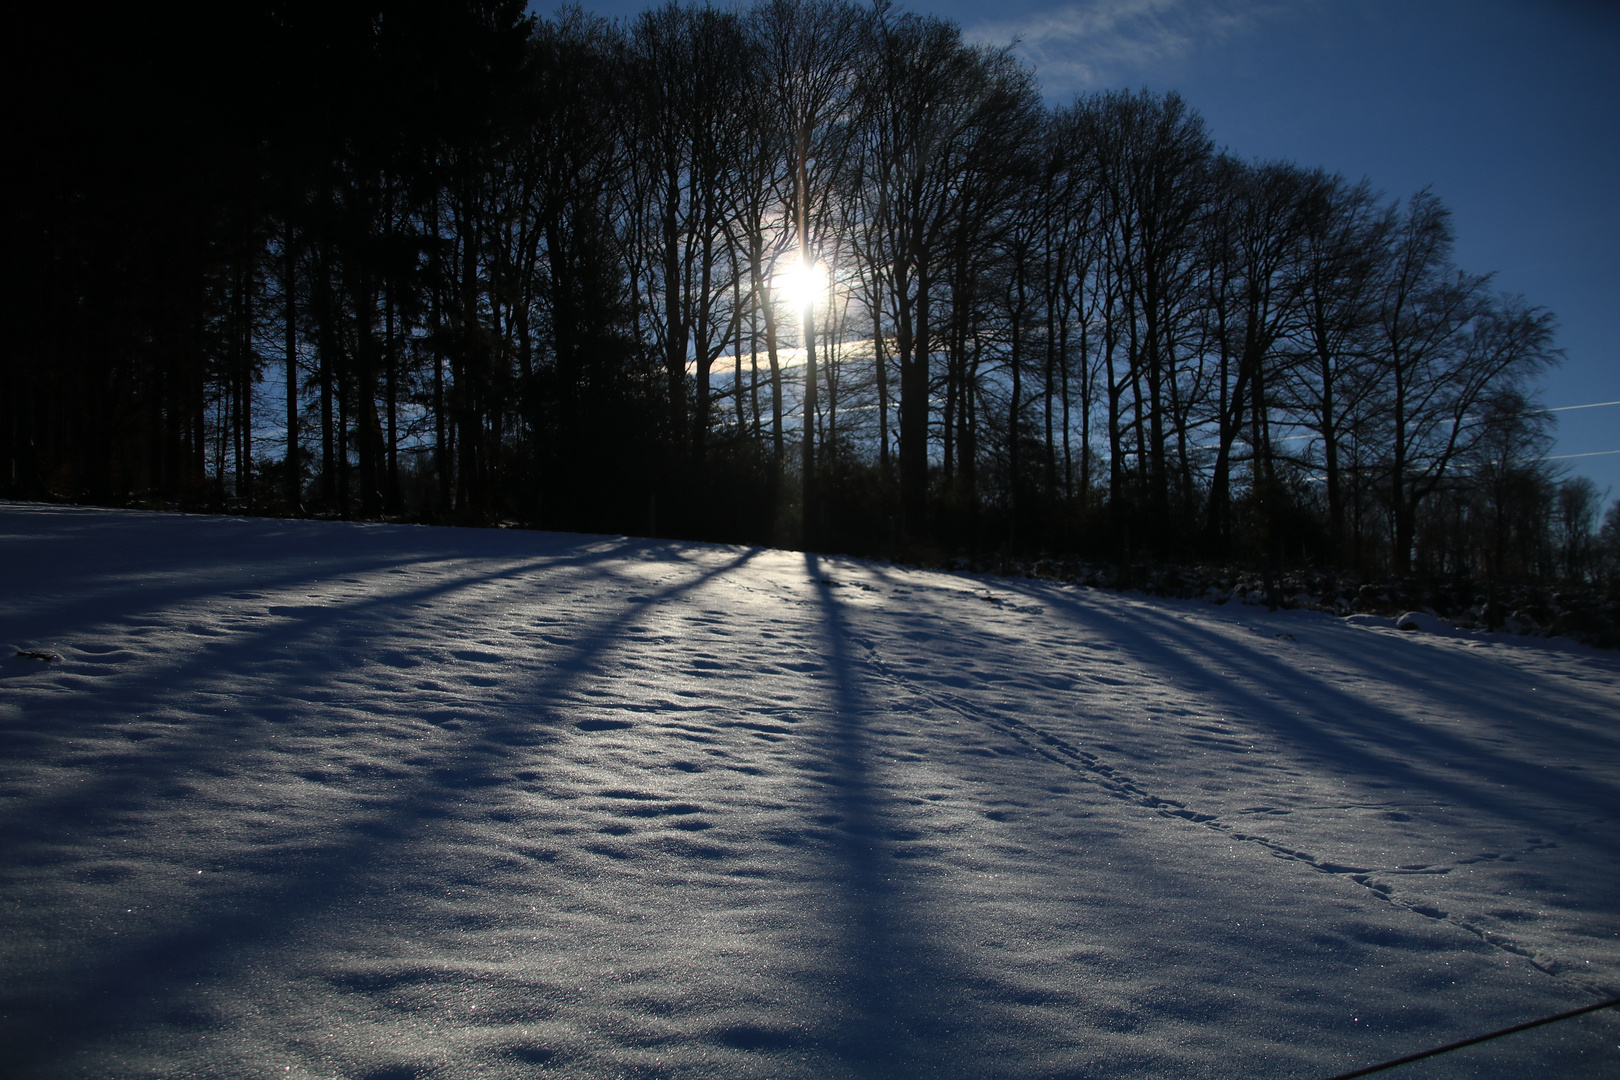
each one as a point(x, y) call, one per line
point(889, 987)
point(324, 637)
point(134, 982)
point(1343, 730)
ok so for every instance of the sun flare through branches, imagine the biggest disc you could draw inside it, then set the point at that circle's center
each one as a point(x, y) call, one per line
point(802, 283)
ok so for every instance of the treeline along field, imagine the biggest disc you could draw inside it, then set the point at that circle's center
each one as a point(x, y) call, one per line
point(452, 262)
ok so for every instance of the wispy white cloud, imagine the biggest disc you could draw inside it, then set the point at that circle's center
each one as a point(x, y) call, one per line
point(1098, 43)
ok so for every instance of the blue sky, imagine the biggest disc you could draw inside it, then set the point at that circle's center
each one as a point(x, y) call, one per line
point(1506, 108)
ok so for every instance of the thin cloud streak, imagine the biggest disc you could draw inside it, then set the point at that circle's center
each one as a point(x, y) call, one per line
point(1103, 43)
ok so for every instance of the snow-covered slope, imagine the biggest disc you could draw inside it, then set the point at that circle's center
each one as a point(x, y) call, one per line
point(317, 800)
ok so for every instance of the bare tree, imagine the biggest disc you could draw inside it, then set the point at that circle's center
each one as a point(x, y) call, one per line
point(1344, 230)
point(1443, 346)
point(936, 114)
point(808, 48)
point(1151, 159)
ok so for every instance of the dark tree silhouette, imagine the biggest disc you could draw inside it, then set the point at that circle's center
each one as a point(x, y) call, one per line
point(450, 262)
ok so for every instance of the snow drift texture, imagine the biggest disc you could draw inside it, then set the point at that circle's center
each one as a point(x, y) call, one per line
point(320, 800)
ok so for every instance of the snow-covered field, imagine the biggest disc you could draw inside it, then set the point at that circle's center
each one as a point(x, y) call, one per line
point(318, 800)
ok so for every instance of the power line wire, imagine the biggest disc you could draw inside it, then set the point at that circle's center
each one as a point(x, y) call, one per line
point(1611, 1003)
point(1567, 408)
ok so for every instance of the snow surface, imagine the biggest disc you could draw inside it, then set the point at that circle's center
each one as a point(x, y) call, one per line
point(321, 800)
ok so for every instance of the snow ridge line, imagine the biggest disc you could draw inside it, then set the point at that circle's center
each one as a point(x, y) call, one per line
point(1095, 771)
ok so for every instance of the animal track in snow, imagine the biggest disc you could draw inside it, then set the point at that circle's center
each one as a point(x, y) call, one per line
point(1119, 785)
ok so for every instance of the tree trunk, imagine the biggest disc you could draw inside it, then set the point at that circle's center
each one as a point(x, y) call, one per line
point(294, 477)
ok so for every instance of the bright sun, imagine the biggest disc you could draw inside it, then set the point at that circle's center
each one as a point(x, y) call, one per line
point(802, 284)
